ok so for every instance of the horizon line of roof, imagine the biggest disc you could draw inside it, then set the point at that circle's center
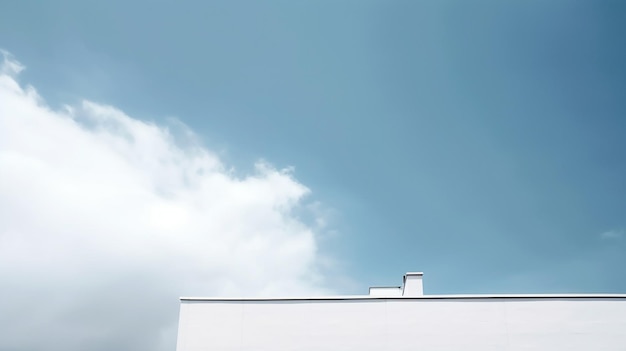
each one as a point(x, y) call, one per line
point(422, 297)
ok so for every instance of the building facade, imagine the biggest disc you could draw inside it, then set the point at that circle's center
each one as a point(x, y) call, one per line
point(403, 318)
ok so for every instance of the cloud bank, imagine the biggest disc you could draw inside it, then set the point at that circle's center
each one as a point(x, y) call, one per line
point(105, 220)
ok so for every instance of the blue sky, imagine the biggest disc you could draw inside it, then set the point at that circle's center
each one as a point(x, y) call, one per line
point(448, 137)
point(480, 142)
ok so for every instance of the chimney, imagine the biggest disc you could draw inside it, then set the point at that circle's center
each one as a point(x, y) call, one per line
point(412, 284)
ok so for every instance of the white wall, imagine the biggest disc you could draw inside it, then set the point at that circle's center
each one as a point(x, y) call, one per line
point(404, 324)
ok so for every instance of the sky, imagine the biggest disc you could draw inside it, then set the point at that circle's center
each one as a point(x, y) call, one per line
point(157, 149)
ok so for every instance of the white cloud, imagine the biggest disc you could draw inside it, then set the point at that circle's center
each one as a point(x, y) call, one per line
point(105, 220)
point(612, 234)
point(10, 66)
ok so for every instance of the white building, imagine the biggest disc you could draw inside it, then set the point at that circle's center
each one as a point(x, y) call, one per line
point(403, 318)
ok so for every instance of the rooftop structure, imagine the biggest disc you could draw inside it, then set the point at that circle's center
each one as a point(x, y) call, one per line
point(403, 318)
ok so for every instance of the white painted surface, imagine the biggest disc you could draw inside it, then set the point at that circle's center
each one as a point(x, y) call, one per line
point(386, 291)
point(413, 285)
point(434, 324)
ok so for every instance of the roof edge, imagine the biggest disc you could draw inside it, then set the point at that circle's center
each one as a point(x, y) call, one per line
point(422, 297)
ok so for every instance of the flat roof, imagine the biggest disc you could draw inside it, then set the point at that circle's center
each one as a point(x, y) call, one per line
point(423, 297)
